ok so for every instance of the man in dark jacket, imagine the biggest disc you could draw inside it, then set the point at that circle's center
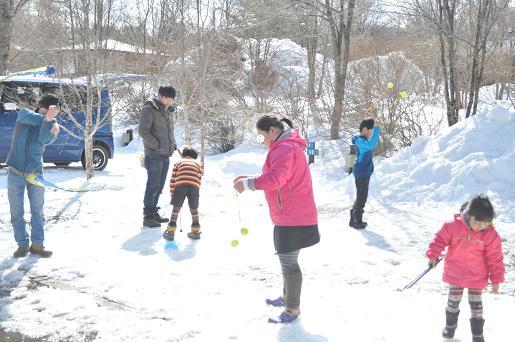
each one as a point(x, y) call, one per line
point(365, 144)
point(32, 132)
point(156, 129)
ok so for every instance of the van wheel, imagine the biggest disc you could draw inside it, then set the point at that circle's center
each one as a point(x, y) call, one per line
point(100, 158)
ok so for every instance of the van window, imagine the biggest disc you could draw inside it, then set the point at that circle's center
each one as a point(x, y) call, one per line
point(24, 95)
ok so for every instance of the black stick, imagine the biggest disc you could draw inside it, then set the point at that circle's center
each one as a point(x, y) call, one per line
point(414, 281)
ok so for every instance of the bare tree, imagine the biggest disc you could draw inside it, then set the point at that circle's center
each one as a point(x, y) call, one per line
point(89, 23)
point(339, 15)
point(442, 15)
point(8, 10)
point(486, 14)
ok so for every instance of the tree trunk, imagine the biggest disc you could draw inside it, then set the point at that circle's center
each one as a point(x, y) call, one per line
point(320, 90)
point(6, 28)
point(336, 115)
point(340, 39)
point(312, 59)
point(183, 68)
point(88, 155)
point(446, 23)
point(474, 72)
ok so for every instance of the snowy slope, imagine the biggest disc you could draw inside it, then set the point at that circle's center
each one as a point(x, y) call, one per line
point(111, 280)
point(475, 155)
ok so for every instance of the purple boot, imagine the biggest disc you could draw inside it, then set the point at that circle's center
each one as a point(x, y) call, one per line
point(284, 317)
point(278, 302)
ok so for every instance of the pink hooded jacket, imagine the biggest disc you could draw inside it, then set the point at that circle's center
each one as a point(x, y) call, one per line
point(472, 257)
point(286, 180)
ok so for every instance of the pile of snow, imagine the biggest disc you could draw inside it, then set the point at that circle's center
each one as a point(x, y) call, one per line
point(475, 155)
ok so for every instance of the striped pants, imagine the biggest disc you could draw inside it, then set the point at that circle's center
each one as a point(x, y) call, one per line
point(474, 297)
point(292, 278)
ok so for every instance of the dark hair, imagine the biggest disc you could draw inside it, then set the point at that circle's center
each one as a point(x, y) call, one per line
point(48, 100)
point(368, 123)
point(189, 152)
point(167, 91)
point(267, 121)
point(480, 207)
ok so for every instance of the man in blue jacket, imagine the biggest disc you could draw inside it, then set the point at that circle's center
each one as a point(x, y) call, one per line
point(365, 144)
point(32, 132)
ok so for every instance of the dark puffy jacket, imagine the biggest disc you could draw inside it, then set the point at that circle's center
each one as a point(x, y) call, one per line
point(156, 129)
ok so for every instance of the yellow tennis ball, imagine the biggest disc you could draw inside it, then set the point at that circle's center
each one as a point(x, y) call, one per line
point(235, 243)
point(390, 85)
point(244, 231)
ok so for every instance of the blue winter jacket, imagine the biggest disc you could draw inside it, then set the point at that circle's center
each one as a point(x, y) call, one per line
point(364, 166)
point(31, 134)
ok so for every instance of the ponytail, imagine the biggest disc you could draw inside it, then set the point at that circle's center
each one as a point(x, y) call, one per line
point(268, 121)
point(287, 121)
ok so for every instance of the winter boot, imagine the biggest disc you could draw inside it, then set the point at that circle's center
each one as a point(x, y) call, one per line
point(195, 231)
point(451, 323)
point(149, 218)
point(169, 233)
point(159, 218)
point(476, 325)
point(22, 251)
point(41, 251)
point(357, 221)
point(285, 317)
point(278, 302)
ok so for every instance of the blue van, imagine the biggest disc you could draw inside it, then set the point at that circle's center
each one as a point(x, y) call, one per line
point(24, 91)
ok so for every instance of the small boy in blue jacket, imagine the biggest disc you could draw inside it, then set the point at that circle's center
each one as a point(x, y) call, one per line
point(33, 131)
point(365, 144)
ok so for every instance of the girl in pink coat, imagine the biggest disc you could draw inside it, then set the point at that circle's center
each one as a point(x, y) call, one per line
point(474, 255)
point(286, 181)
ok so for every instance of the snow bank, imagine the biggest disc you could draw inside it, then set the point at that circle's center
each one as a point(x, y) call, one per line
point(475, 155)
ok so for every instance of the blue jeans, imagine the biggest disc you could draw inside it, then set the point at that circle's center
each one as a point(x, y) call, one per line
point(16, 185)
point(157, 169)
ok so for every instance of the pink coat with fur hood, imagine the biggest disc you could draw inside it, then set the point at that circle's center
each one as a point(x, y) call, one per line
point(286, 180)
point(472, 257)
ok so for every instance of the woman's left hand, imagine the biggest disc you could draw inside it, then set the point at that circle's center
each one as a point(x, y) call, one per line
point(495, 288)
point(239, 177)
point(238, 185)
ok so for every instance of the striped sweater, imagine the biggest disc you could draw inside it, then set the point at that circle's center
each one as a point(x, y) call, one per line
point(186, 171)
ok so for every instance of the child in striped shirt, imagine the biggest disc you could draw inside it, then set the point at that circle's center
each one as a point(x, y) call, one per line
point(185, 183)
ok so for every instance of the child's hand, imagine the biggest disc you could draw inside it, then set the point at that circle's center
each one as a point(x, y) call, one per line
point(52, 113)
point(54, 130)
point(495, 288)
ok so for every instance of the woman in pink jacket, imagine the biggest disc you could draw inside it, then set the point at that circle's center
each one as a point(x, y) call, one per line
point(474, 255)
point(286, 181)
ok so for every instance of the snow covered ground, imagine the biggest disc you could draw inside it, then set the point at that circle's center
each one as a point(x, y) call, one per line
point(112, 280)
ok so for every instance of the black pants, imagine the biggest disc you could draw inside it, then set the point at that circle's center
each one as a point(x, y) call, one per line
point(157, 169)
point(361, 195)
